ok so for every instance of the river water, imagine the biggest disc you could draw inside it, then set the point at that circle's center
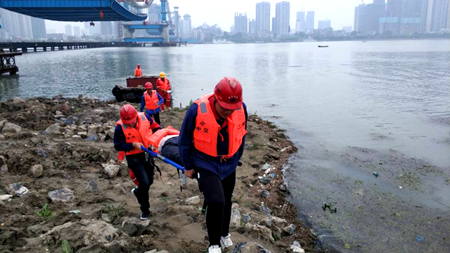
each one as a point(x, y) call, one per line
point(353, 108)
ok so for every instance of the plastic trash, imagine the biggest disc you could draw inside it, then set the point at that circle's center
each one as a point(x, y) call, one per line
point(376, 174)
point(419, 238)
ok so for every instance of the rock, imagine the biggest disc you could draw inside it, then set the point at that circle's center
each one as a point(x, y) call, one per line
point(36, 230)
point(36, 171)
point(249, 247)
point(61, 195)
point(111, 170)
point(11, 128)
point(2, 137)
point(283, 188)
point(53, 129)
point(156, 251)
point(265, 167)
point(235, 217)
point(110, 133)
point(84, 232)
point(134, 226)
point(193, 200)
point(92, 129)
point(82, 134)
point(278, 221)
point(5, 197)
point(265, 180)
point(265, 194)
point(92, 186)
point(4, 168)
point(65, 108)
point(18, 100)
point(267, 222)
point(289, 230)
point(262, 231)
point(296, 248)
point(107, 217)
point(41, 153)
point(264, 209)
point(2, 160)
point(76, 137)
point(17, 189)
point(2, 123)
point(102, 137)
point(93, 137)
point(121, 189)
point(274, 147)
point(246, 218)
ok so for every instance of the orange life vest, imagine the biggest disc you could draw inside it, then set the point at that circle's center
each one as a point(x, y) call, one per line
point(138, 72)
point(142, 134)
point(207, 129)
point(151, 102)
point(156, 138)
point(164, 85)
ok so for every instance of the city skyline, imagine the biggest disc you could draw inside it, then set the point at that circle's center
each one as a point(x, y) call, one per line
point(340, 12)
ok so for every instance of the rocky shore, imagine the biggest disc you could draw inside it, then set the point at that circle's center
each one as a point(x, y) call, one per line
point(61, 189)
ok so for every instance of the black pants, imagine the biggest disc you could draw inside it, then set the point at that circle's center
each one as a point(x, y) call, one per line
point(218, 194)
point(156, 118)
point(144, 171)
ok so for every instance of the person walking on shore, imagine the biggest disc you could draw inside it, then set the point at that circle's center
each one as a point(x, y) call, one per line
point(152, 102)
point(211, 142)
point(164, 89)
point(138, 71)
point(132, 132)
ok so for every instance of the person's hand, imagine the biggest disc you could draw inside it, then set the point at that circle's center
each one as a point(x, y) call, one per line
point(190, 173)
point(137, 145)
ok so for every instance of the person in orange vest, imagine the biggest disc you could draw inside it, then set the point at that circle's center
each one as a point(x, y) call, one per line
point(211, 142)
point(164, 142)
point(138, 71)
point(164, 89)
point(152, 102)
point(132, 132)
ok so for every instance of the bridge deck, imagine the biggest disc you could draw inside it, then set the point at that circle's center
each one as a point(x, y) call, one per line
point(72, 10)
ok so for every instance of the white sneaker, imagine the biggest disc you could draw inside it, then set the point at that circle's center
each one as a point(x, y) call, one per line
point(226, 242)
point(214, 249)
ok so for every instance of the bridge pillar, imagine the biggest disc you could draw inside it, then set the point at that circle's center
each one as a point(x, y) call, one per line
point(53, 48)
point(128, 33)
point(24, 50)
point(44, 48)
point(165, 34)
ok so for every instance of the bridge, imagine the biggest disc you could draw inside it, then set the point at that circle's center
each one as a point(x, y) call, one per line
point(75, 10)
point(100, 10)
point(25, 47)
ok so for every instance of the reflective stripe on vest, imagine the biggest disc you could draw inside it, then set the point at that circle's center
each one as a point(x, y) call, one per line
point(156, 138)
point(142, 134)
point(207, 129)
point(151, 102)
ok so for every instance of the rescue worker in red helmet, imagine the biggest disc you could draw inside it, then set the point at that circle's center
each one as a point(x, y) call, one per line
point(152, 102)
point(164, 89)
point(133, 131)
point(138, 71)
point(211, 142)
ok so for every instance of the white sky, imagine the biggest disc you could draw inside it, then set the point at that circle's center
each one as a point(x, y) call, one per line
point(221, 12)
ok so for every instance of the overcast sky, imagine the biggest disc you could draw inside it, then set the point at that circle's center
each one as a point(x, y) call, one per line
point(221, 12)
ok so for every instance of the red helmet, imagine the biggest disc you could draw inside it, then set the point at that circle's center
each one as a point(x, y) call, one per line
point(148, 86)
point(228, 93)
point(128, 114)
point(139, 66)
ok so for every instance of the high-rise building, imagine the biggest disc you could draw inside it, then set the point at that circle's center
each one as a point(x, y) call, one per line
point(154, 13)
point(15, 27)
point(263, 19)
point(274, 25)
point(310, 21)
point(300, 24)
point(367, 16)
point(392, 20)
point(76, 31)
point(68, 29)
point(106, 28)
point(282, 16)
point(38, 28)
point(324, 24)
point(186, 26)
point(252, 27)
point(411, 17)
point(240, 23)
point(438, 15)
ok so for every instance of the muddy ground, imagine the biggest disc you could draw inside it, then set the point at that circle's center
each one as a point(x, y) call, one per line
point(64, 145)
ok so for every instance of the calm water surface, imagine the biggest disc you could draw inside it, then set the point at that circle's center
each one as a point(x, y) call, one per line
point(350, 108)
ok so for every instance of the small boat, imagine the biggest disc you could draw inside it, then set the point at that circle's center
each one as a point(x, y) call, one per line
point(322, 45)
point(134, 90)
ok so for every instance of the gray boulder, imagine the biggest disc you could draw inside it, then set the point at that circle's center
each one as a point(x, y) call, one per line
point(53, 129)
point(134, 226)
point(36, 171)
point(249, 247)
point(10, 128)
point(61, 195)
